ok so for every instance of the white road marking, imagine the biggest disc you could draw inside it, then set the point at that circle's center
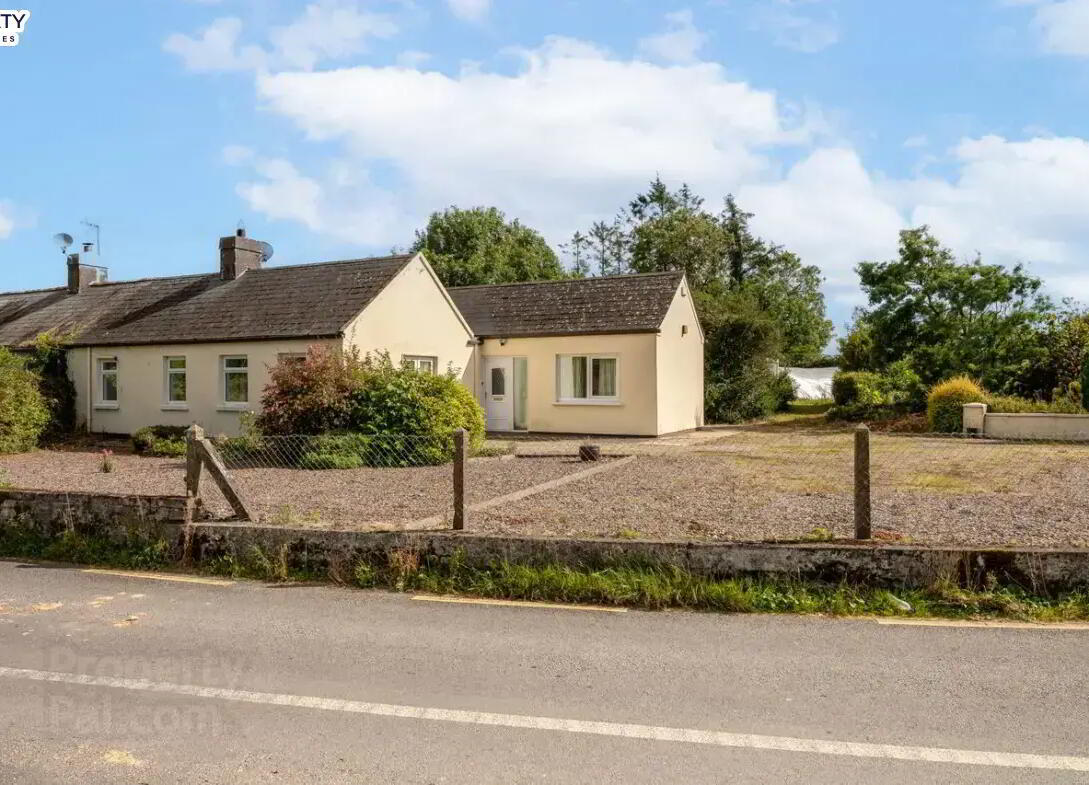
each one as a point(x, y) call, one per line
point(1014, 760)
point(162, 576)
point(986, 624)
point(516, 603)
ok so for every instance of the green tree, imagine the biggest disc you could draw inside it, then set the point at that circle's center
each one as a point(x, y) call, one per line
point(480, 246)
point(856, 349)
point(953, 317)
point(578, 249)
point(1085, 383)
point(608, 246)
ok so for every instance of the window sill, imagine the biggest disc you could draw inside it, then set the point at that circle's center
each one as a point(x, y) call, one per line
point(107, 407)
point(174, 407)
point(588, 402)
point(233, 407)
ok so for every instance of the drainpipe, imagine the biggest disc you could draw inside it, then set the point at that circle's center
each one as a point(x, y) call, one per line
point(90, 392)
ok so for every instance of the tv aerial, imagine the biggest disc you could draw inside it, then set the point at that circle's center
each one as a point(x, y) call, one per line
point(63, 240)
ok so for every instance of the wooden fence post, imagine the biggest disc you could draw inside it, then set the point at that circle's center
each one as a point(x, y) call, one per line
point(459, 478)
point(193, 462)
point(862, 484)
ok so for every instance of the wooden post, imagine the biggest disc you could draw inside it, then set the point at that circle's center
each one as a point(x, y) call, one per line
point(193, 462)
point(459, 478)
point(210, 457)
point(863, 518)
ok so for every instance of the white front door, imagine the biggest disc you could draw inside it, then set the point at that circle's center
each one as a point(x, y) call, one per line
point(499, 393)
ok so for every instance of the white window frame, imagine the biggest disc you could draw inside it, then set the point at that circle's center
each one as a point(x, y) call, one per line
point(590, 397)
point(223, 373)
point(101, 401)
point(418, 360)
point(168, 402)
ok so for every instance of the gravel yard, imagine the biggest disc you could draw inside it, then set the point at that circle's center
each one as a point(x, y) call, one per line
point(747, 483)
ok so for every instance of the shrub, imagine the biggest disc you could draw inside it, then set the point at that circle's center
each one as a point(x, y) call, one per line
point(1085, 383)
point(857, 387)
point(945, 404)
point(901, 385)
point(24, 412)
point(1010, 404)
point(866, 412)
point(164, 441)
point(369, 409)
point(49, 360)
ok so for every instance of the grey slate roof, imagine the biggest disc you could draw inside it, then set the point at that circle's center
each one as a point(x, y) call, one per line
point(583, 306)
point(300, 301)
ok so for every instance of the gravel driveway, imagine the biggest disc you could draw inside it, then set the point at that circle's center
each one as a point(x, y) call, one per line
point(746, 483)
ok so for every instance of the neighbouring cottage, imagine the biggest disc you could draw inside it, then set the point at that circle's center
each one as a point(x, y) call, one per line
point(620, 355)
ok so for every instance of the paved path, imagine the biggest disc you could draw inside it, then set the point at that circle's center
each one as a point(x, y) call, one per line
point(113, 679)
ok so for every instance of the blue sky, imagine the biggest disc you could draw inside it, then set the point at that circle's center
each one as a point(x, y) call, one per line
point(333, 128)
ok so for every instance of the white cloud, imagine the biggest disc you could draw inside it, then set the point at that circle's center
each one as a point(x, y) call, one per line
point(681, 42)
point(326, 30)
point(343, 204)
point(469, 10)
point(1013, 201)
point(793, 28)
point(571, 134)
point(7, 220)
point(1064, 27)
point(829, 210)
point(216, 48)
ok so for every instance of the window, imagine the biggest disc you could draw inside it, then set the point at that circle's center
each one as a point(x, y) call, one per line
point(107, 380)
point(499, 382)
point(175, 380)
point(421, 364)
point(236, 380)
point(586, 377)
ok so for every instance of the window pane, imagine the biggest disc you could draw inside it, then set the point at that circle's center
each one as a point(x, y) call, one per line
point(578, 377)
point(237, 387)
point(520, 393)
point(109, 386)
point(572, 373)
point(427, 366)
point(176, 363)
point(177, 386)
point(604, 382)
point(499, 381)
point(235, 362)
point(108, 365)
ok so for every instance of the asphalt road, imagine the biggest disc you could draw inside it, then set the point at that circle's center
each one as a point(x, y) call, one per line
point(111, 679)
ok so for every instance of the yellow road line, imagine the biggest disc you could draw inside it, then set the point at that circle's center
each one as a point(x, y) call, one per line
point(996, 624)
point(158, 576)
point(517, 603)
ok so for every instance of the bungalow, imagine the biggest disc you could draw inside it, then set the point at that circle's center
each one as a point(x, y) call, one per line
point(616, 355)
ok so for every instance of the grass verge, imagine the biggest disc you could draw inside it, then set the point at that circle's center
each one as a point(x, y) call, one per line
point(645, 586)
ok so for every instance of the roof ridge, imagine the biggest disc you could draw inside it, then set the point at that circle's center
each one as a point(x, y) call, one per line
point(626, 276)
point(33, 291)
point(335, 261)
point(97, 284)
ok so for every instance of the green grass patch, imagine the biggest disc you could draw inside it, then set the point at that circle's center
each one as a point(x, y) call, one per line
point(816, 406)
point(635, 585)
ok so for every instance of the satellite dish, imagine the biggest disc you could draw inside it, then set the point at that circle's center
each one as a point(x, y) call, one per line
point(266, 251)
point(63, 239)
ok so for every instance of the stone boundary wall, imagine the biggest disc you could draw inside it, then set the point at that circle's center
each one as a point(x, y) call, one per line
point(878, 565)
point(124, 518)
point(54, 512)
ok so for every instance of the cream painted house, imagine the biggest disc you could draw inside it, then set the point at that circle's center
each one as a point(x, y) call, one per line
point(619, 355)
point(616, 355)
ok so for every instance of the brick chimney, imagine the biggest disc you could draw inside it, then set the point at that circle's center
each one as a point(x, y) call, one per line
point(237, 254)
point(80, 273)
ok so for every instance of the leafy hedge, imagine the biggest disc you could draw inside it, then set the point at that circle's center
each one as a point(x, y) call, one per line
point(1010, 404)
point(166, 441)
point(1085, 383)
point(24, 411)
point(367, 411)
point(856, 387)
